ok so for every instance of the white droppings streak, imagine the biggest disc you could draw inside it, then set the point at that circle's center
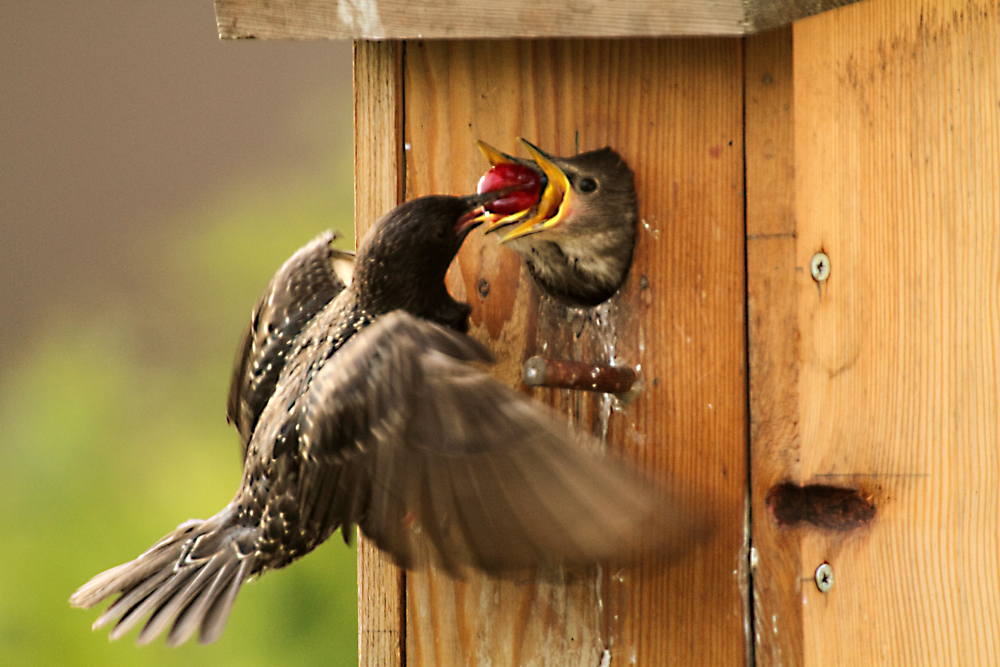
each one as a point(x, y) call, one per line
point(605, 658)
point(604, 415)
point(648, 226)
point(598, 592)
point(742, 574)
point(607, 335)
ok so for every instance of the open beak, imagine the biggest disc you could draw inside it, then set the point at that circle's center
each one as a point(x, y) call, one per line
point(497, 221)
point(552, 209)
point(493, 155)
point(479, 214)
point(556, 199)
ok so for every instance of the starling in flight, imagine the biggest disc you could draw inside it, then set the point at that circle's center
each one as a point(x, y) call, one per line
point(360, 401)
point(576, 236)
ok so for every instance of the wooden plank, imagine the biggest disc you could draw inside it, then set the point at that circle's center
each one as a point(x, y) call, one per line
point(673, 108)
point(378, 187)
point(772, 315)
point(451, 19)
point(897, 143)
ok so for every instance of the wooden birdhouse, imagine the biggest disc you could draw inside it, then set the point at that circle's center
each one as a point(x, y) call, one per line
point(813, 311)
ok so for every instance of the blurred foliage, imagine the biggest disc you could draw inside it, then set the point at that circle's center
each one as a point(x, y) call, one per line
point(114, 433)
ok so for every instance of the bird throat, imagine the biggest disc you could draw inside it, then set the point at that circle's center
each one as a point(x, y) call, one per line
point(578, 278)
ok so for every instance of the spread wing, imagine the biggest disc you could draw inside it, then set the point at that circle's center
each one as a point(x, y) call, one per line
point(410, 438)
point(309, 280)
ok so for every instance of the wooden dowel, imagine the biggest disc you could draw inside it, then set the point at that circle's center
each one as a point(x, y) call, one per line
point(565, 374)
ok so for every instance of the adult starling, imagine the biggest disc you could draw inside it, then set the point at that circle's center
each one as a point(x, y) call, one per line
point(302, 287)
point(361, 404)
point(577, 238)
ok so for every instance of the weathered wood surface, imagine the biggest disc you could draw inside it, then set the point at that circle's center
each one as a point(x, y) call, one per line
point(875, 137)
point(431, 19)
point(673, 108)
point(897, 145)
point(772, 315)
point(378, 187)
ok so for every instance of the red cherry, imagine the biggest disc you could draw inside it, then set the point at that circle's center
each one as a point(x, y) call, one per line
point(507, 174)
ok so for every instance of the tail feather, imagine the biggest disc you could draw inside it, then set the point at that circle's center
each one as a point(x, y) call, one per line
point(164, 592)
point(219, 608)
point(130, 600)
point(113, 581)
point(190, 618)
point(189, 580)
point(167, 612)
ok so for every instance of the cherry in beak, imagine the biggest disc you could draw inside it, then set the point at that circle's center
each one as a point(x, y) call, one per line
point(484, 202)
point(530, 213)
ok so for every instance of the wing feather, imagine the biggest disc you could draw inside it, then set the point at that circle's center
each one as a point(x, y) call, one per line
point(426, 444)
point(307, 282)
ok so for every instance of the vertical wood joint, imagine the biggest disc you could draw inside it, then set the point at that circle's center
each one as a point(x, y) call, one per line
point(378, 187)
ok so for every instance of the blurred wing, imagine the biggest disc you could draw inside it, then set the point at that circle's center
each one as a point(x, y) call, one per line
point(492, 478)
point(308, 281)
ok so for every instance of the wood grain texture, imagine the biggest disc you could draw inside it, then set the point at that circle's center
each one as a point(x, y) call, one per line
point(772, 314)
point(673, 109)
point(378, 187)
point(432, 19)
point(897, 144)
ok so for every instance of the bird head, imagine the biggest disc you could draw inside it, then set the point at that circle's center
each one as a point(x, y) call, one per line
point(407, 251)
point(577, 233)
point(591, 191)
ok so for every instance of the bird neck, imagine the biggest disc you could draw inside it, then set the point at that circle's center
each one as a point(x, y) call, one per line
point(574, 271)
point(418, 293)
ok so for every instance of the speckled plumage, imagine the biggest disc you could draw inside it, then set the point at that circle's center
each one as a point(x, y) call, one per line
point(358, 405)
point(302, 287)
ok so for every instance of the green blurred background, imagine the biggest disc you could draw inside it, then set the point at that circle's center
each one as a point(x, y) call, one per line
point(153, 179)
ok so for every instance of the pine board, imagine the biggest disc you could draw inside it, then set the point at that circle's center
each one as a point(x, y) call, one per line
point(378, 187)
point(772, 342)
point(673, 109)
point(897, 163)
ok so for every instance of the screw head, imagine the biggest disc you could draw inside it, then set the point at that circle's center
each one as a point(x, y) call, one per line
point(819, 267)
point(824, 577)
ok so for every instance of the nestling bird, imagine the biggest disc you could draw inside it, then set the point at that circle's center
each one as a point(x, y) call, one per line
point(577, 237)
point(361, 402)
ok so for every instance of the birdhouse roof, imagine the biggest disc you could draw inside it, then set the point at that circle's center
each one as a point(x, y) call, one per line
point(478, 19)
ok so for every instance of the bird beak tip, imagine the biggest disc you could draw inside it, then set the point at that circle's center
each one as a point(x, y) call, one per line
point(469, 221)
point(554, 202)
point(494, 156)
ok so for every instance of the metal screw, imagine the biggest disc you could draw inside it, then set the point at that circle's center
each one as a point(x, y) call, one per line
point(819, 267)
point(824, 577)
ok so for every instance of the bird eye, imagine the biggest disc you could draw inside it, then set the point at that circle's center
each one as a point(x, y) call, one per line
point(586, 185)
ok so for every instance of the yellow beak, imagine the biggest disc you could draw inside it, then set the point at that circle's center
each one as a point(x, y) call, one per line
point(493, 155)
point(494, 222)
point(550, 210)
point(556, 200)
